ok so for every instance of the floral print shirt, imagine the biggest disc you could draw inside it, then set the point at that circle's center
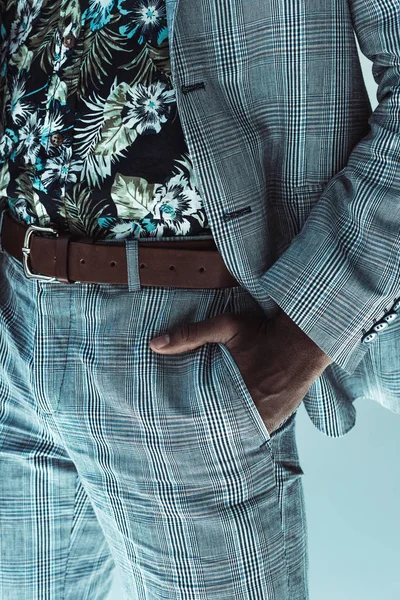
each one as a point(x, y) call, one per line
point(90, 136)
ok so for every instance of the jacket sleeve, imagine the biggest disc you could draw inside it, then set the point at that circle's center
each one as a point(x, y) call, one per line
point(340, 276)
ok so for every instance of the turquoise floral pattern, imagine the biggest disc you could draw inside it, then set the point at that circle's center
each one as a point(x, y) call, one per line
point(90, 136)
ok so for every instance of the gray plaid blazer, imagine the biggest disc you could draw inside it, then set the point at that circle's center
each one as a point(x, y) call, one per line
point(299, 178)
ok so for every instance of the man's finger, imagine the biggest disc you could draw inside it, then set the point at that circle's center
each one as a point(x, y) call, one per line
point(189, 336)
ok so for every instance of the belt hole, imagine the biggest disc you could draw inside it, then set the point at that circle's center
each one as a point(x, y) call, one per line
point(112, 263)
point(82, 261)
point(142, 265)
point(202, 269)
point(172, 268)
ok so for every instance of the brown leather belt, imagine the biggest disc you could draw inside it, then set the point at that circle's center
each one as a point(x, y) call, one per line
point(60, 257)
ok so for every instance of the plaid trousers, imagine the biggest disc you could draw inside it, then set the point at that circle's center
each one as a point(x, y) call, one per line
point(115, 457)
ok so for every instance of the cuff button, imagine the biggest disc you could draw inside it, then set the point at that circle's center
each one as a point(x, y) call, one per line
point(369, 337)
point(380, 326)
point(390, 317)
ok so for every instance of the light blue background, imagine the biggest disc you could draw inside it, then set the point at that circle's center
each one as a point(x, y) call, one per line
point(352, 491)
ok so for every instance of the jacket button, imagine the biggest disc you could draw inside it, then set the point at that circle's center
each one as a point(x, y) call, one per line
point(390, 317)
point(379, 326)
point(369, 337)
point(69, 40)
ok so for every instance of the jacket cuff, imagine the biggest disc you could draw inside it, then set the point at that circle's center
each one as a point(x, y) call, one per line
point(342, 315)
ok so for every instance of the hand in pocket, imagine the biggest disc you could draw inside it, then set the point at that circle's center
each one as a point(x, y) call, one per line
point(277, 360)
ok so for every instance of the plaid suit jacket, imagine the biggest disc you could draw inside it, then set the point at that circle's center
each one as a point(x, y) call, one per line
point(299, 178)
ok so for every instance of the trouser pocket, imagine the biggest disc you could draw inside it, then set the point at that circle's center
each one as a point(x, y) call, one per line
point(235, 380)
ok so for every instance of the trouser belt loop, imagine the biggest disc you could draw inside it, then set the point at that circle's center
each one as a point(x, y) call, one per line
point(132, 265)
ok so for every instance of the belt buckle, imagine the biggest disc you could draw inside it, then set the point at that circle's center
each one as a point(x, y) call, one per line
point(26, 250)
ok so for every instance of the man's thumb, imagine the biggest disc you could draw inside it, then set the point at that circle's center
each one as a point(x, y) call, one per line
point(188, 336)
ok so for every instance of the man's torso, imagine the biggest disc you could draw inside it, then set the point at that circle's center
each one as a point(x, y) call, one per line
point(91, 138)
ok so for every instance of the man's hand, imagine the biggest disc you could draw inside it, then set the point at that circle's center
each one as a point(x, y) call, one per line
point(277, 360)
